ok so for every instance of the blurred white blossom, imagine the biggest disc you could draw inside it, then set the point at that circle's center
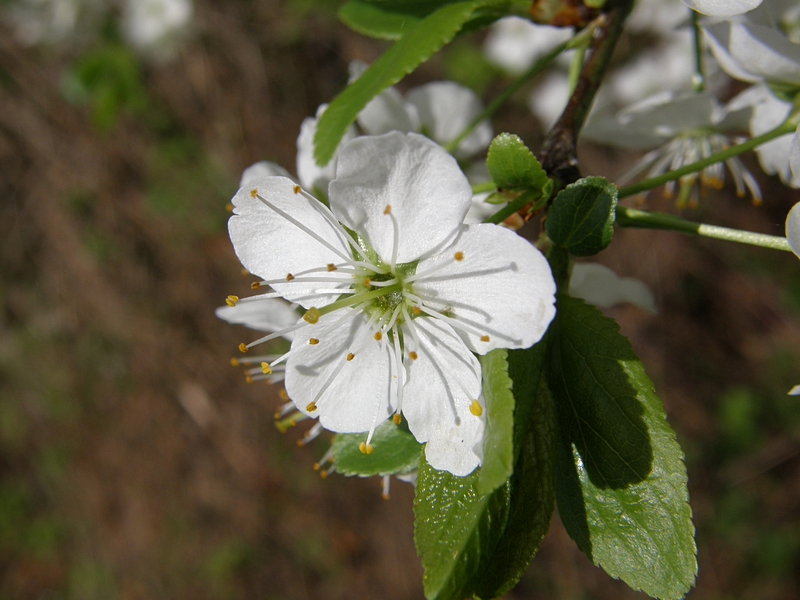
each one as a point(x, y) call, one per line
point(156, 26)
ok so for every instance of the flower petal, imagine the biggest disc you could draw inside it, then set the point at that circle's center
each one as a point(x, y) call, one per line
point(794, 154)
point(311, 175)
point(386, 112)
point(267, 314)
point(445, 109)
point(443, 382)
point(793, 229)
point(722, 8)
point(271, 246)
point(351, 396)
point(502, 292)
point(427, 192)
point(262, 169)
point(599, 285)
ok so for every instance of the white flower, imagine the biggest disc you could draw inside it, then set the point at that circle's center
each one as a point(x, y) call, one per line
point(154, 26)
point(793, 229)
point(515, 44)
point(687, 128)
point(37, 21)
point(769, 112)
point(599, 285)
point(398, 292)
point(795, 391)
point(722, 8)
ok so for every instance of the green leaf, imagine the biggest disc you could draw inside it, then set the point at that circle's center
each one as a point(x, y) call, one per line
point(621, 479)
point(395, 452)
point(388, 20)
point(526, 369)
point(512, 166)
point(581, 218)
point(498, 439)
point(415, 47)
point(454, 528)
point(480, 544)
point(532, 499)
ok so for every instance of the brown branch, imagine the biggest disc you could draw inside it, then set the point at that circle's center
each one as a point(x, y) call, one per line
point(559, 150)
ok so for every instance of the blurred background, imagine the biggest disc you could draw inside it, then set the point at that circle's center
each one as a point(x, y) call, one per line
point(136, 463)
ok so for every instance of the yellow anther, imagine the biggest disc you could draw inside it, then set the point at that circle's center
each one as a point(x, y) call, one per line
point(388, 209)
point(235, 362)
point(253, 193)
point(283, 395)
point(255, 285)
point(459, 256)
point(242, 347)
point(416, 311)
point(350, 356)
point(378, 336)
point(229, 207)
point(248, 379)
point(313, 341)
point(413, 355)
point(311, 316)
point(311, 406)
point(231, 300)
point(397, 419)
point(475, 408)
point(296, 189)
point(289, 277)
point(484, 338)
point(244, 272)
point(316, 466)
point(364, 448)
point(367, 282)
point(323, 474)
point(331, 267)
point(265, 369)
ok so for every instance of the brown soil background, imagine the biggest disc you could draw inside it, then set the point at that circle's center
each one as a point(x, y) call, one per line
point(137, 464)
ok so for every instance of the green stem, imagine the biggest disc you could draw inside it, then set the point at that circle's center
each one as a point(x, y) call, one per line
point(539, 66)
point(509, 209)
point(699, 78)
point(631, 217)
point(487, 186)
point(786, 127)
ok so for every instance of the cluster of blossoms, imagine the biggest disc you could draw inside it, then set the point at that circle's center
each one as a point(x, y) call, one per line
point(154, 28)
point(399, 294)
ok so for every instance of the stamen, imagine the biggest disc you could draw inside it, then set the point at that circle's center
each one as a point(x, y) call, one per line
point(277, 334)
point(398, 365)
point(289, 277)
point(397, 419)
point(313, 341)
point(311, 316)
point(350, 357)
point(326, 214)
point(284, 409)
point(328, 456)
point(296, 189)
point(331, 267)
point(310, 435)
point(395, 236)
point(378, 335)
point(413, 355)
point(231, 300)
point(265, 369)
point(311, 406)
point(235, 362)
point(484, 338)
point(243, 348)
point(475, 408)
point(385, 487)
point(255, 285)
point(365, 448)
point(457, 257)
